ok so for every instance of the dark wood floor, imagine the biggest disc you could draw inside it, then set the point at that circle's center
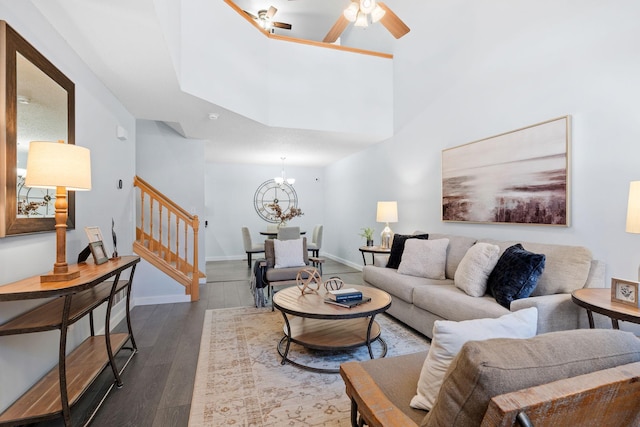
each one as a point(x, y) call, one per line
point(158, 381)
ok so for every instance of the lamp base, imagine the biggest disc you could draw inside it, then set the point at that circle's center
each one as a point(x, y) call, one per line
point(60, 277)
point(386, 237)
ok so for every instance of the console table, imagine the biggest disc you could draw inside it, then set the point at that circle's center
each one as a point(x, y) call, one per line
point(58, 390)
point(373, 250)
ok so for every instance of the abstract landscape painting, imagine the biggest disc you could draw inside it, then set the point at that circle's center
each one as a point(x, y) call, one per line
point(519, 177)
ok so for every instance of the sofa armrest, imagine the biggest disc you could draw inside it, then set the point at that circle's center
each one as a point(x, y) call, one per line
point(596, 277)
point(555, 312)
point(369, 400)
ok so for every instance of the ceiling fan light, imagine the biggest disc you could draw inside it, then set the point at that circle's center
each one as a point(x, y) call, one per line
point(361, 20)
point(377, 14)
point(291, 181)
point(351, 12)
point(279, 180)
point(367, 6)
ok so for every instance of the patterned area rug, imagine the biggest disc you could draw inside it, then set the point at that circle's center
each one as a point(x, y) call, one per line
point(240, 381)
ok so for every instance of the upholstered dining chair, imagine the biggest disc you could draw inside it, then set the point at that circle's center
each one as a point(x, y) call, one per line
point(249, 247)
point(316, 240)
point(288, 233)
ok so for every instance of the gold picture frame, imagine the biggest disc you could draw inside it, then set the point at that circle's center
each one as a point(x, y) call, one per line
point(624, 292)
point(98, 252)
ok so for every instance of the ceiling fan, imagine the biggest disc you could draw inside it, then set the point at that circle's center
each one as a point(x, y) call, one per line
point(361, 13)
point(264, 19)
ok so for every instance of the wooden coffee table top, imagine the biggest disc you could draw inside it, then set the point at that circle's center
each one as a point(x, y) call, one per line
point(291, 301)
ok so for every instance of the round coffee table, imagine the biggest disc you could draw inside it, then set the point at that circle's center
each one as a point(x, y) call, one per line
point(315, 324)
point(599, 300)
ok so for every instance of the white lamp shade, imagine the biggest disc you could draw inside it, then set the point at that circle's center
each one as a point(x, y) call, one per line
point(367, 6)
point(633, 208)
point(351, 12)
point(387, 212)
point(55, 164)
point(377, 14)
point(361, 20)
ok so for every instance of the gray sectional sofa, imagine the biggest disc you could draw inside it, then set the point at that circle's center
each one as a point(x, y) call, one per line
point(419, 302)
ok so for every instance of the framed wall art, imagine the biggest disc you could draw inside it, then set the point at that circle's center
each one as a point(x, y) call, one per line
point(518, 177)
point(624, 292)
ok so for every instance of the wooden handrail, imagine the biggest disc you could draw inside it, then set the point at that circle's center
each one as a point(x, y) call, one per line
point(160, 241)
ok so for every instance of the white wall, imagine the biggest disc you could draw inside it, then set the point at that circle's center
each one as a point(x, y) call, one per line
point(175, 167)
point(229, 196)
point(25, 358)
point(477, 69)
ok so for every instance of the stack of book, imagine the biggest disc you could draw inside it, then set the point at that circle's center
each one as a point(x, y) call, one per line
point(348, 298)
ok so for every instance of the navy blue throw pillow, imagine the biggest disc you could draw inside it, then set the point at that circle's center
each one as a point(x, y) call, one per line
point(515, 275)
point(397, 247)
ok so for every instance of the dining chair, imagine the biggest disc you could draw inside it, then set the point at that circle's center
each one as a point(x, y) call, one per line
point(316, 240)
point(250, 247)
point(288, 233)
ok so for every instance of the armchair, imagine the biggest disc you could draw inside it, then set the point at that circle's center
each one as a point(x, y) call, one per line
point(279, 277)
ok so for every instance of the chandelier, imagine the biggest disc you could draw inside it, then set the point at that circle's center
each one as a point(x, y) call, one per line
point(359, 12)
point(283, 176)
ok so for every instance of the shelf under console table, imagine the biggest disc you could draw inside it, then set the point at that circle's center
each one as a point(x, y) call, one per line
point(60, 388)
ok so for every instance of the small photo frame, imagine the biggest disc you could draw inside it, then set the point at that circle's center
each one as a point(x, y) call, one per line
point(98, 252)
point(624, 292)
point(93, 234)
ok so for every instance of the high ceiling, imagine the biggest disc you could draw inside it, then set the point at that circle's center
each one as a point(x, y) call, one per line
point(122, 42)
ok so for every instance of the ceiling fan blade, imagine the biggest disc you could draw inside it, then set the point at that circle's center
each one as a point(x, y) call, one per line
point(282, 25)
point(336, 30)
point(272, 11)
point(251, 15)
point(391, 22)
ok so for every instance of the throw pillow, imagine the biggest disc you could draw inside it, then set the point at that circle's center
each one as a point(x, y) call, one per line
point(397, 247)
point(449, 337)
point(424, 258)
point(288, 253)
point(474, 269)
point(515, 275)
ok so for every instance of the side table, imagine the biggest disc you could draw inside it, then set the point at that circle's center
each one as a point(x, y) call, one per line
point(373, 250)
point(599, 300)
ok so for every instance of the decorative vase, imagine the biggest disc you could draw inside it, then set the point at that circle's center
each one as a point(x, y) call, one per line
point(369, 242)
point(282, 224)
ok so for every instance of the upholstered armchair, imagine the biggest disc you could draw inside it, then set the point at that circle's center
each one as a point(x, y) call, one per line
point(275, 276)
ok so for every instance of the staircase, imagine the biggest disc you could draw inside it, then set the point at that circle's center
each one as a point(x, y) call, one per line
point(167, 237)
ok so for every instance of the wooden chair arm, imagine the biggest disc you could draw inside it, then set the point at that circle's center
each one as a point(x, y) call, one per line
point(371, 402)
point(606, 397)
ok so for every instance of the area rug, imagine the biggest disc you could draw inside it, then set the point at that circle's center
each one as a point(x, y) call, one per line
point(240, 381)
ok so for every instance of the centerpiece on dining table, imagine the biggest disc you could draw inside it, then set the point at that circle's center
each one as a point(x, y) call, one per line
point(285, 216)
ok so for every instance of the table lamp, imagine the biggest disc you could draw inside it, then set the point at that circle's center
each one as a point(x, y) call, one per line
point(63, 167)
point(387, 212)
point(633, 210)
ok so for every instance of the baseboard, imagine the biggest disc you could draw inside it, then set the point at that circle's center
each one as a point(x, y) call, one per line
point(343, 261)
point(161, 299)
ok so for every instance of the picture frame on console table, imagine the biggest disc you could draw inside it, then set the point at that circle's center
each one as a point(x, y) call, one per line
point(624, 292)
point(517, 177)
point(98, 252)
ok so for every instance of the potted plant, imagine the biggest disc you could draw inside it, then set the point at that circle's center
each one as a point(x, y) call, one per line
point(367, 233)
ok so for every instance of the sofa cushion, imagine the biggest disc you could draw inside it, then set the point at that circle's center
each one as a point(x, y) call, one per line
point(451, 303)
point(516, 274)
point(399, 389)
point(484, 369)
point(449, 337)
point(475, 267)
point(458, 247)
point(398, 285)
point(424, 258)
point(566, 267)
point(397, 247)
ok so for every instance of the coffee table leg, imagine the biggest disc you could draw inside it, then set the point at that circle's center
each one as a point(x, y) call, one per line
point(614, 323)
point(382, 342)
point(288, 338)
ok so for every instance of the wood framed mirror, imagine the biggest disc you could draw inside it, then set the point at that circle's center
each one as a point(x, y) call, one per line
point(38, 104)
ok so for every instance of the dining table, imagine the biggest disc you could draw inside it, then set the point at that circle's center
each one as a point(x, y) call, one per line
point(272, 234)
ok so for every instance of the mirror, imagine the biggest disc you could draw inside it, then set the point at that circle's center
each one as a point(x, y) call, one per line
point(38, 103)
